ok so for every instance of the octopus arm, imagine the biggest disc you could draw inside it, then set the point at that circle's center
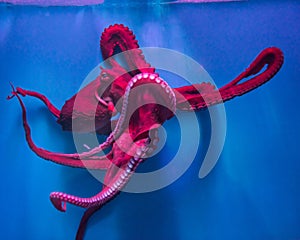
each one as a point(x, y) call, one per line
point(115, 183)
point(84, 220)
point(72, 160)
point(43, 98)
point(118, 38)
point(271, 57)
point(200, 96)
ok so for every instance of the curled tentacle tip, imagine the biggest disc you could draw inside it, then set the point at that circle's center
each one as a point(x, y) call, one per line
point(58, 203)
point(10, 96)
point(13, 92)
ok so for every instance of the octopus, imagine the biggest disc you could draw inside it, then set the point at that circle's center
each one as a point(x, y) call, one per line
point(139, 101)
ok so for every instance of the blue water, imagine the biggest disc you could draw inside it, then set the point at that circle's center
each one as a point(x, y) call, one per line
point(252, 193)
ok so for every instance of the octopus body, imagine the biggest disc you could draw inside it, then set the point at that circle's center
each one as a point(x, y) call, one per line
point(143, 100)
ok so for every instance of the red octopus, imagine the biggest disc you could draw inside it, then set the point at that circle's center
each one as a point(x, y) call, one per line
point(144, 102)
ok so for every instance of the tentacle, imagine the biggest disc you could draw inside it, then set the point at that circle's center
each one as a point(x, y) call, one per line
point(84, 220)
point(120, 179)
point(108, 179)
point(203, 95)
point(119, 37)
point(42, 97)
point(272, 57)
point(94, 162)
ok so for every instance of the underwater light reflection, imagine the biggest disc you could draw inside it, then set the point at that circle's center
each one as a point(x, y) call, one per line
point(95, 2)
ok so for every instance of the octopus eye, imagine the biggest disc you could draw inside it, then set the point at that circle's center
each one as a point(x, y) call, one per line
point(104, 75)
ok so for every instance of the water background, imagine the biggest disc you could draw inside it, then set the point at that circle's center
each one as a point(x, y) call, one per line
point(252, 193)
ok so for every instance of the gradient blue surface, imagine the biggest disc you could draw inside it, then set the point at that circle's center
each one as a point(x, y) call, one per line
point(252, 193)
